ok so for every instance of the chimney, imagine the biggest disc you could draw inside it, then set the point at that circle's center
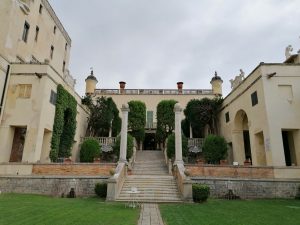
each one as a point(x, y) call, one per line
point(179, 87)
point(122, 86)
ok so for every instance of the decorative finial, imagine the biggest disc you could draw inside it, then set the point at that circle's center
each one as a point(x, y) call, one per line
point(92, 71)
point(216, 74)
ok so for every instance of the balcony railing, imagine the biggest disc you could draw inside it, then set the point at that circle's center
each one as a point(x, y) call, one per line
point(153, 92)
point(102, 140)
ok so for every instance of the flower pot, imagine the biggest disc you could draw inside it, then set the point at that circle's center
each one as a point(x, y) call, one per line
point(96, 160)
point(200, 161)
point(67, 160)
point(223, 162)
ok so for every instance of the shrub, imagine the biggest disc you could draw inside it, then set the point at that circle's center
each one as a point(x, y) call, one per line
point(214, 149)
point(101, 190)
point(171, 146)
point(89, 150)
point(200, 192)
point(116, 147)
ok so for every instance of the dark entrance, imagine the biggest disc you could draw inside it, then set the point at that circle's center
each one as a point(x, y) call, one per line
point(18, 145)
point(247, 145)
point(149, 142)
point(286, 147)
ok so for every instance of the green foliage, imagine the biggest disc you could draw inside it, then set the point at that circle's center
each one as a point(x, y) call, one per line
point(214, 148)
point(130, 144)
point(185, 126)
point(103, 114)
point(165, 119)
point(137, 119)
point(89, 150)
point(200, 113)
point(101, 189)
point(200, 192)
point(87, 100)
point(171, 146)
point(64, 126)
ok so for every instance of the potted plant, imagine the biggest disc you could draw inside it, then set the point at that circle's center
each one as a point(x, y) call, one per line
point(223, 162)
point(247, 162)
point(68, 160)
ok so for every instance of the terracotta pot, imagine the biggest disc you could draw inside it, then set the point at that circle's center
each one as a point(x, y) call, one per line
point(224, 162)
point(67, 160)
point(96, 160)
point(200, 161)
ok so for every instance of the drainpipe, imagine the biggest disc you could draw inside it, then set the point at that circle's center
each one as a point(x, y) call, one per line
point(3, 92)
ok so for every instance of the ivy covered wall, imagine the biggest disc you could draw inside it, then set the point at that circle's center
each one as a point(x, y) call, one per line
point(64, 126)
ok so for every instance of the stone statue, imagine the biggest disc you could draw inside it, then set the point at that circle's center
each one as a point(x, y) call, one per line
point(288, 51)
point(237, 80)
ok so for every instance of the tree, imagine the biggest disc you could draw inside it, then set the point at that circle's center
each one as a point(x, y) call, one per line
point(200, 113)
point(137, 120)
point(214, 149)
point(89, 150)
point(104, 115)
point(171, 146)
point(165, 119)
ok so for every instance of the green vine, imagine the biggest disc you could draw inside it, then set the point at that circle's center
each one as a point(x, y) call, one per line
point(64, 126)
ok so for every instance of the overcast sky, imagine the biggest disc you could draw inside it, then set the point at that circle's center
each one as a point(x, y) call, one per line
point(155, 44)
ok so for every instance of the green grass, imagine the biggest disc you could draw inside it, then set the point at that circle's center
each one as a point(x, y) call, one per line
point(238, 212)
point(41, 210)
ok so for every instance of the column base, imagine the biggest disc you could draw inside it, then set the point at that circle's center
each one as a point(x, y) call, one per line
point(177, 162)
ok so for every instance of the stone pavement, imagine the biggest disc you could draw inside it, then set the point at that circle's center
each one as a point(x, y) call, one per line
point(150, 215)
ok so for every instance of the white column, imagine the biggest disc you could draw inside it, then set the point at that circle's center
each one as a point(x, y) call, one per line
point(123, 145)
point(191, 131)
point(178, 138)
point(110, 129)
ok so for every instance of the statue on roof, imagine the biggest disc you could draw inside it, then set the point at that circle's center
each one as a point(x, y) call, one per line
point(237, 80)
point(288, 51)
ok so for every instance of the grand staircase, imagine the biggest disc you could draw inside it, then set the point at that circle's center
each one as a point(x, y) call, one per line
point(150, 177)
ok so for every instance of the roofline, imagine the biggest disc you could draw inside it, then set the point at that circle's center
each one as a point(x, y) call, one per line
point(258, 66)
point(57, 21)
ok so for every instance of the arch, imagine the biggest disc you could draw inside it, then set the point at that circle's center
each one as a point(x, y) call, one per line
point(241, 137)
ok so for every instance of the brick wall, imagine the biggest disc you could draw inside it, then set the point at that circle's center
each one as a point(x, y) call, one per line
point(80, 169)
point(230, 171)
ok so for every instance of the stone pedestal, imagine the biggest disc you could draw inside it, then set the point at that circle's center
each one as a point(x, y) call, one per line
point(123, 145)
point(178, 137)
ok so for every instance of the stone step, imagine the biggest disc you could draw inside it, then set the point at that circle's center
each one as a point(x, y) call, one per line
point(151, 200)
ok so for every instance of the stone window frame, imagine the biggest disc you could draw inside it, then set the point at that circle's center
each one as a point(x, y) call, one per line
point(254, 98)
point(53, 97)
point(227, 117)
point(25, 91)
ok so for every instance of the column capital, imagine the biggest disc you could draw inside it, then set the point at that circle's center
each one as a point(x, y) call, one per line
point(125, 108)
point(177, 108)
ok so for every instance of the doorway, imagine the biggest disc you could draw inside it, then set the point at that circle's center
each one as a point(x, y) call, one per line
point(149, 142)
point(18, 145)
point(289, 148)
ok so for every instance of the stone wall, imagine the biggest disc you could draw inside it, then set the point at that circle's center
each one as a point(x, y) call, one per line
point(74, 169)
point(50, 185)
point(250, 188)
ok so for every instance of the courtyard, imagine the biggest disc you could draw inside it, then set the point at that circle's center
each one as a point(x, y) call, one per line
point(35, 209)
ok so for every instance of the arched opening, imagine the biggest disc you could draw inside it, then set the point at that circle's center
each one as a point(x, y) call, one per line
point(241, 138)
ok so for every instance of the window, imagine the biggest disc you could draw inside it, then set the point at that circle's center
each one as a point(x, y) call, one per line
point(227, 119)
point(54, 30)
point(64, 66)
point(53, 96)
point(37, 30)
point(51, 52)
point(41, 9)
point(25, 90)
point(25, 31)
point(66, 47)
point(254, 98)
point(149, 119)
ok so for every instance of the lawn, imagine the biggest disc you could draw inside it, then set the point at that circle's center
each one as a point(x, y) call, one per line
point(238, 212)
point(41, 210)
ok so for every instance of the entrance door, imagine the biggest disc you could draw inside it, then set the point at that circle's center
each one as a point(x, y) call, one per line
point(18, 145)
point(247, 145)
point(149, 142)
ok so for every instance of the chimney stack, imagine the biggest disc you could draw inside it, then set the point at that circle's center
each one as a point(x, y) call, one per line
point(179, 87)
point(122, 86)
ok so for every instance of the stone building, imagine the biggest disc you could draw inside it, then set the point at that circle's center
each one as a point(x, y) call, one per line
point(260, 118)
point(34, 59)
point(151, 98)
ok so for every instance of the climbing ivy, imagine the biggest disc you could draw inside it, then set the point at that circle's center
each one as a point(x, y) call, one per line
point(64, 126)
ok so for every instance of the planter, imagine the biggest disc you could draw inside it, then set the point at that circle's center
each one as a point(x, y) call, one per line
point(67, 160)
point(247, 162)
point(223, 162)
point(96, 160)
point(200, 161)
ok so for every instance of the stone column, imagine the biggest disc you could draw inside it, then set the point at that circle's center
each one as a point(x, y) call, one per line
point(123, 145)
point(178, 138)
